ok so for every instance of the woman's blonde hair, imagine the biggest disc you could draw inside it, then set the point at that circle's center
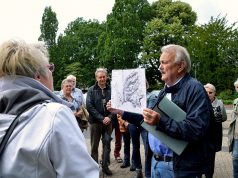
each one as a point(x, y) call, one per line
point(19, 58)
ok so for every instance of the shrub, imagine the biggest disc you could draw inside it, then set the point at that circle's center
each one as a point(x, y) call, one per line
point(226, 95)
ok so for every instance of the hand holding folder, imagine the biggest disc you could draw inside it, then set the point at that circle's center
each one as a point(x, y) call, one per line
point(167, 108)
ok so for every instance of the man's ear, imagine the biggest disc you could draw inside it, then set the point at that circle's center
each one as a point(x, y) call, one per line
point(181, 66)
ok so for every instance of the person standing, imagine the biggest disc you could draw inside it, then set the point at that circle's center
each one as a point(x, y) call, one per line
point(123, 126)
point(118, 140)
point(190, 95)
point(100, 118)
point(233, 134)
point(197, 128)
point(46, 141)
point(220, 116)
point(158, 157)
point(76, 92)
point(67, 96)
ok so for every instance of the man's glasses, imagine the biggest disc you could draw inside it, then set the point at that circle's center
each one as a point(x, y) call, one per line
point(51, 67)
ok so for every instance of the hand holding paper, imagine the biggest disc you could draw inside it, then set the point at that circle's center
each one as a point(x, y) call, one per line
point(151, 117)
point(113, 110)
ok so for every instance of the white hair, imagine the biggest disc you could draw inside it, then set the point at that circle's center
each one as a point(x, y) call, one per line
point(181, 54)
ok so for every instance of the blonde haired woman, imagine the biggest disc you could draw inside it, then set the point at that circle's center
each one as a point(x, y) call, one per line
point(46, 142)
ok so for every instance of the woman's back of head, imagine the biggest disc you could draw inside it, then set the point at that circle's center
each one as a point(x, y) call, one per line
point(19, 58)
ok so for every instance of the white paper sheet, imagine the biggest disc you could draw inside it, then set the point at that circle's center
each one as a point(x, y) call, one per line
point(128, 88)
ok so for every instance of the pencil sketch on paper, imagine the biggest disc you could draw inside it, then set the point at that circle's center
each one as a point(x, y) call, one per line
point(129, 90)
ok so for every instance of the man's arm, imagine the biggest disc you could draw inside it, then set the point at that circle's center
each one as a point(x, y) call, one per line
point(199, 115)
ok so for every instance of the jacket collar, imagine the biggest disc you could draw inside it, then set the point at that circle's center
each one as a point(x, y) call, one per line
point(17, 92)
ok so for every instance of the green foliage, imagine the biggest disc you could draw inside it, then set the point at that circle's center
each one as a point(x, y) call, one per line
point(171, 23)
point(119, 46)
point(226, 95)
point(132, 37)
point(213, 50)
point(49, 27)
point(77, 51)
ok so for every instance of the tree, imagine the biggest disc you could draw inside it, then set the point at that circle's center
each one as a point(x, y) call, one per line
point(119, 46)
point(214, 53)
point(49, 27)
point(77, 51)
point(171, 23)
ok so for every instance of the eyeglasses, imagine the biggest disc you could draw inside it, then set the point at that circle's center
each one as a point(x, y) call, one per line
point(51, 67)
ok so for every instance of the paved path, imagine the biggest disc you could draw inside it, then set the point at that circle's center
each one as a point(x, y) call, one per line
point(223, 165)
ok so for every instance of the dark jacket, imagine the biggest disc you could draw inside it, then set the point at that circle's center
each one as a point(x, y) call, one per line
point(197, 128)
point(96, 103)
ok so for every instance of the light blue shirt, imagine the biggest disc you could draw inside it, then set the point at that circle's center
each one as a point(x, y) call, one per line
point(156, 145)
point(77, 94)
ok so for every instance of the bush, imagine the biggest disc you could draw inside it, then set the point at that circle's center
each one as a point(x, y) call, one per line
point(228, 96)
point(227, 102)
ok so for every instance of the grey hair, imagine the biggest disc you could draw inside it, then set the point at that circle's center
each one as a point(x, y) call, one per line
point(236, 83)
point(64, 82)
point(210, 86)
point(101, 69)
point(20, 58)
point(181, 54)
point(71, 76)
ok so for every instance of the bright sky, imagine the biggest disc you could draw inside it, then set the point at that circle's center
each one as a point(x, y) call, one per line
point(22, 18)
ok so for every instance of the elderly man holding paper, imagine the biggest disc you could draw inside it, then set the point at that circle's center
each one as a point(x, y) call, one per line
point(197, 127)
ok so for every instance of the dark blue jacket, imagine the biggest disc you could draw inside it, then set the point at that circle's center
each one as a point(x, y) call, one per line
point(197, 128)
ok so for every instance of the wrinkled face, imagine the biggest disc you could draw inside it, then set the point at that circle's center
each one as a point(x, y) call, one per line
point(101, 78)
point(67, 88)
point(170, 71)
point(211, 94)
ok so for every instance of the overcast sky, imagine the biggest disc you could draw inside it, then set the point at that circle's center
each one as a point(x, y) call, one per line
point(22, 18)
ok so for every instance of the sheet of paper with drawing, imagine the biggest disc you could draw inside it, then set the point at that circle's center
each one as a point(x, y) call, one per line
point(128, 90)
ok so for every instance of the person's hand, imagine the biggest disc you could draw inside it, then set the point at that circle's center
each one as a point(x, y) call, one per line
point(78, 113)
point(151, 117)
point(106, 121)
point(113, 110)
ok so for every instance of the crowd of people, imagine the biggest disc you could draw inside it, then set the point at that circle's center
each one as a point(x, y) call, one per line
point(41, 132)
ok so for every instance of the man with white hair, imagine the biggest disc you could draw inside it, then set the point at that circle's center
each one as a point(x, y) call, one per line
point(196, 129)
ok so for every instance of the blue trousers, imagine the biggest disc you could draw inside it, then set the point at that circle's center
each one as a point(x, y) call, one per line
point(148, 152)
point(135, 137)
point(127, 141)
point(161, 169)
